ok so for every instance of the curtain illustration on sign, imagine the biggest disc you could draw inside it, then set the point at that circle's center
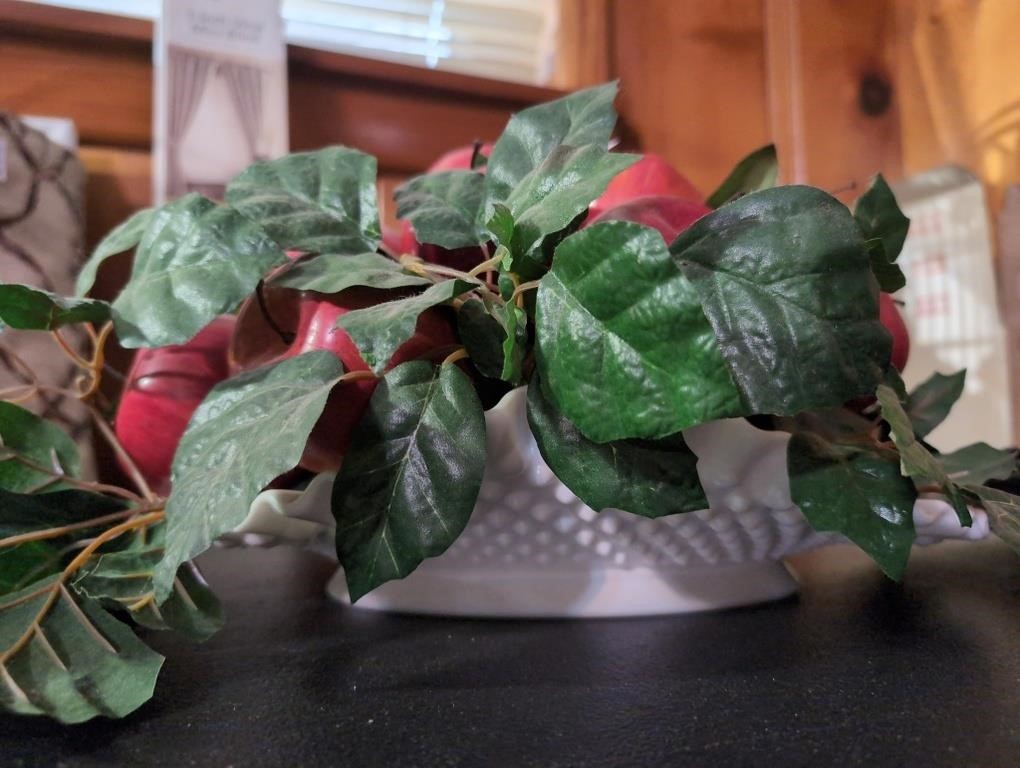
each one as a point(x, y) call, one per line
point(188, 74)
point(245, 84)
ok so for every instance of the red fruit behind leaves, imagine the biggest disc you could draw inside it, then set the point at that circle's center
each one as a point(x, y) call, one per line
point(651, 175)
point(891, 318)
point(312, 320)
point(164, 387)
point(669, 215)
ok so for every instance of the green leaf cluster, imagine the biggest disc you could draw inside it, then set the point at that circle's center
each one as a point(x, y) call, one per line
point(766, 308)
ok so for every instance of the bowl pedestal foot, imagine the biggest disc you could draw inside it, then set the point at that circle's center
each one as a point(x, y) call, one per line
point(547, 592)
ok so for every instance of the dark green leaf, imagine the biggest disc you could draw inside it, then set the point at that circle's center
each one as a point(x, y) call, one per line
point(1003, 511)
point(894, 381)
point(124, 579)
point(930, 403)
point(65, 656)
point(560, 188)
point(32, 309)
point(978, 463)
point(378, 331)
point(445, 208)
point(584, 117)
point(26, 563)
point(122, 238)
point(482, 336)
point(917, 461)
point(249, 430)
point(758, 171)
point(623, 345)
point(857, 492)
point(890, 277)
point(332, 273)
point(652, 478)
point(25, 513)
point(785, 281)
point(197, 260)
point(317, 202)
point(411, 476)
point(25, 435)
point(880, 217)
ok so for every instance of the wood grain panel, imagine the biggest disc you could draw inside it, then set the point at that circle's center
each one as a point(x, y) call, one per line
point(832, 96)
point(105, 88)
point(692, 81)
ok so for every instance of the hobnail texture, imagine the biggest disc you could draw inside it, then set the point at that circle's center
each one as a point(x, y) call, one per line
point(534, 549)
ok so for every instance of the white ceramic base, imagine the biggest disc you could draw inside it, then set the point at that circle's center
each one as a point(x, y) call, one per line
point(599, 593)
point(533, 549)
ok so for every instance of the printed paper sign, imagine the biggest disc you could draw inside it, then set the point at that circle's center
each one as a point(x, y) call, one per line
point(221, 93)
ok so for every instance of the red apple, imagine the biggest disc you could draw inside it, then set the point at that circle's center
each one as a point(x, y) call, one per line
point(651, 175)
point(311, 318)
point(669, 215)
point(890, 316)
point(163, 388)
point(463, 259)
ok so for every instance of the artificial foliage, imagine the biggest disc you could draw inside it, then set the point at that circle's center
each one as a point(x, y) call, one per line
point(766, 308)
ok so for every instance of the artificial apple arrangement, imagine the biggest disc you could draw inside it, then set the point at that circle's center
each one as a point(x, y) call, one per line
point(279, 335)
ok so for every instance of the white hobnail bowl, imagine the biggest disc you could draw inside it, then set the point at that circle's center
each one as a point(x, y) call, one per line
point(533, 549)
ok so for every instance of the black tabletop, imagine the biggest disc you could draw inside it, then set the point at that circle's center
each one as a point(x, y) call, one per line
point(855, 671)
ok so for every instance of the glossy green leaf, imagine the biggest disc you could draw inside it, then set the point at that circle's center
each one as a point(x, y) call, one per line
point(482, 336)
point(332, 273)
point(379, 330)
point(317, 202)
point(124, 579)
point(880, 218)
point(249, 430)
point(582, 118)
point(410, 479)
point(785, 281)
point(559, 189)
point(33, 309)
point(65, 656)
point(930, 403)
point(122, 238)
point(623, 345)
point(25, 437)
point(759, 170)
point(1003, 510)
point(889, 275)
point(917, 461)
point(197, 260)
point(445, 208)
point(857, 492)
point(978, 463)
point(652, 478)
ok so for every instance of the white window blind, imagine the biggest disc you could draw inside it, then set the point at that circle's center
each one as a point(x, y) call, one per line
point(500, 39)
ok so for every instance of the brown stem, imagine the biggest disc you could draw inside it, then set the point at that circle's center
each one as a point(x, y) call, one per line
point(69, 351)
point(56, 588)
point(359, 376)
point(458, 354)
point(53, 533)
point(74, 482)
point(122, 455)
